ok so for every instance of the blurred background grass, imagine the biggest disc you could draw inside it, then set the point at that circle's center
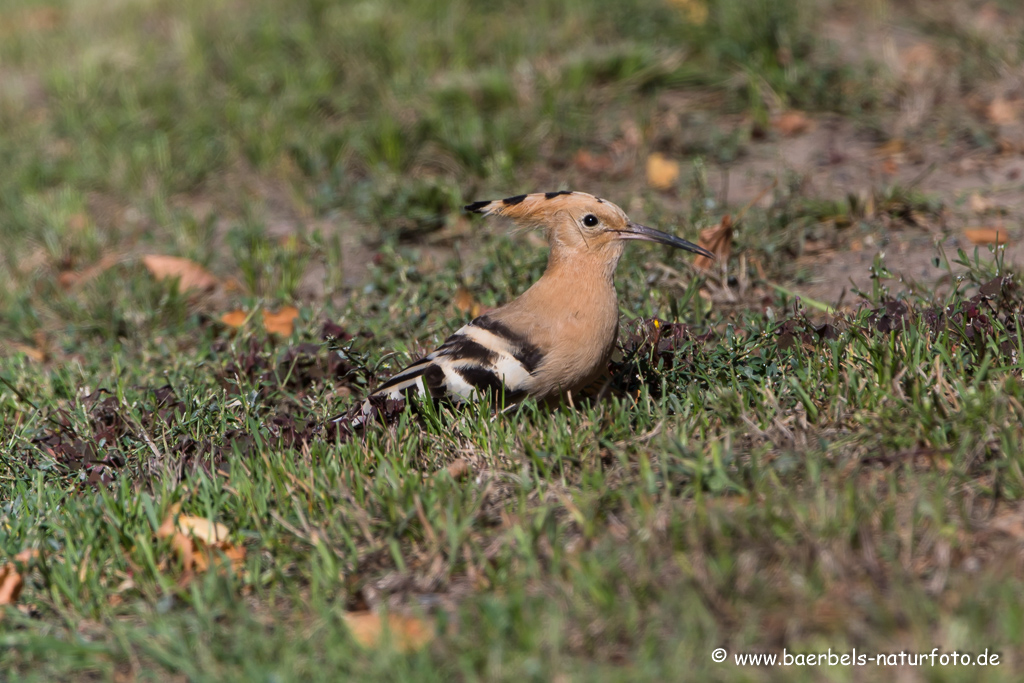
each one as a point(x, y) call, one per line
point(394, 111)
point(214, 129)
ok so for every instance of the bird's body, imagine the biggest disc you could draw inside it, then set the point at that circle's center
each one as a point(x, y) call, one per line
point(557, 336)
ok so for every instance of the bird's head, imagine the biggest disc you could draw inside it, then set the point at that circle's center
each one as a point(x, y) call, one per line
point(578, 223)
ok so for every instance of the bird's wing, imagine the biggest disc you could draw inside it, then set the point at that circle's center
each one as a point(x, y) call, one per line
point(483, 356)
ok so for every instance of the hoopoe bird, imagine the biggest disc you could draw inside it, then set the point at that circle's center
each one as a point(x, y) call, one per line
point(555, 338)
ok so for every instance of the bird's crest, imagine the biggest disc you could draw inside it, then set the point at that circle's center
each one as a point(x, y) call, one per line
point(534, 210)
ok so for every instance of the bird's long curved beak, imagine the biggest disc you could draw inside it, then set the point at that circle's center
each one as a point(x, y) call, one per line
point(635, 231)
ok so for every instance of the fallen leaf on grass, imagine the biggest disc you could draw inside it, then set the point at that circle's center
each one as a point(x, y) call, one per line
point(458, 469)
point(408, 634)
point(38, 355)
point(197, 541)
point(1003, 112)
point(718, 240)
point(281, 322)
point(979, 204)
point(200, 528)
point(791, 123)
point(11, 581)
point(986, 235)
point(662, 173)
point(10, 584)
point(465, 302)
point(234, 318)
point(189, 274)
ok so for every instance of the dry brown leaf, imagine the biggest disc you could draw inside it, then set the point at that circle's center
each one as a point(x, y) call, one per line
point(465, 302)
point(197, 541)
point(662, 173)
point(718, 240)
point(203, 529)
point(11, 581)
point(459, 469)
point(282, 322)
point(791, 123)
point(38, 355)
point(234, 554)
point(10, 584)
point(40, 352)
point(986, 235)
point(234, 318)
point(189, 274)
point(408, 634)
point(167, 527)
point(979, 204)
point(1002, 111)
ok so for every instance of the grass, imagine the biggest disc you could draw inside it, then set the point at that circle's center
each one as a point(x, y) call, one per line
point(761, 480)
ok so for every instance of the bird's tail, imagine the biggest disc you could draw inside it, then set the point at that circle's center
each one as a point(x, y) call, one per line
point(395, 389)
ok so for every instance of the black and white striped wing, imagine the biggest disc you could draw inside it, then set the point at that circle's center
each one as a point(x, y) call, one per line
point(484, 356)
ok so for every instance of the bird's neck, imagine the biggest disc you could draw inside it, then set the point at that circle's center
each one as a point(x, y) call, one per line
point(594, 267)
point(579, 284)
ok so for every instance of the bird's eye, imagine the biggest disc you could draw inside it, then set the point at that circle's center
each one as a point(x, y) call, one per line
point(590, 220)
